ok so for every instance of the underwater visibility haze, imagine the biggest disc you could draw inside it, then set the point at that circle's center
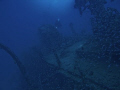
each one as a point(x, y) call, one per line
point(59, 44)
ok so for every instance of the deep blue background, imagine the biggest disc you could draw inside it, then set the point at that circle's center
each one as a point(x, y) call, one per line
point(19, 23)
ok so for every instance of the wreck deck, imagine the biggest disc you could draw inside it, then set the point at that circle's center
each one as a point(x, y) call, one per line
point(95, 73)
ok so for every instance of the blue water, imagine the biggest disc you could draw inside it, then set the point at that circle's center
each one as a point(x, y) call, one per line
point(19, 23)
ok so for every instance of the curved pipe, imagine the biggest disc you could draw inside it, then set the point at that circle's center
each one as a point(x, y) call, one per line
point(19, 64)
